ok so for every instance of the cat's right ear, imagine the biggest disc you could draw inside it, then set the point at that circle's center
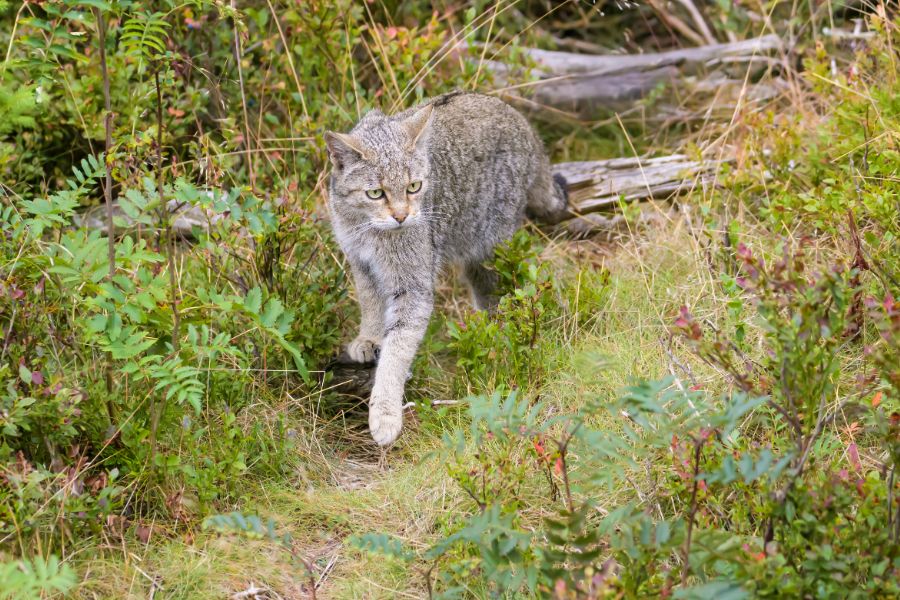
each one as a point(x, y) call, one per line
point(343, 148)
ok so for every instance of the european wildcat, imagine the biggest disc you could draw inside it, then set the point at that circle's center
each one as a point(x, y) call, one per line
point(441, 183)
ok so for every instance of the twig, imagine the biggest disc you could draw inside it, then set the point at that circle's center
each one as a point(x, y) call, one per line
point(563, 447)
point(170, 236)
point(667, 348)
point(897, 514)
point(237, 59)
point(782, 495)
point(890, 503)
point(428, 580)
point(12, 36)
point(327, 569)
point(159, 408)
point(251, 592)
point(675, 22)
point(312, 579)
point(698, 20)
point(859, 260)
point(698, 449)
point(6, 338)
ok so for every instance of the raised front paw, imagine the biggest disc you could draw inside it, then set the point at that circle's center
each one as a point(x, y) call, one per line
point(385, 419)
point(363, 350)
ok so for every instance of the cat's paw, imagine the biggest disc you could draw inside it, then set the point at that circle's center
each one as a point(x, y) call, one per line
point(363, 350)
point(385, 420)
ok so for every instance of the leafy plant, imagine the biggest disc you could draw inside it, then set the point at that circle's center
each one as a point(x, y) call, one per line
point(503, 350)
point(33, 578)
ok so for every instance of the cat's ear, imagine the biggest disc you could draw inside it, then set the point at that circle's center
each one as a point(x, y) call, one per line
point(417, 125)
point(344, 148)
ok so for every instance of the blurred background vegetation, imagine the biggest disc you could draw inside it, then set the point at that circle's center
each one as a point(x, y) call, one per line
point(702, 404)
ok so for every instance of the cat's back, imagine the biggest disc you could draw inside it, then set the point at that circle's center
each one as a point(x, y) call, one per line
point(473, 123)
point(478, 142)
point(485, 158)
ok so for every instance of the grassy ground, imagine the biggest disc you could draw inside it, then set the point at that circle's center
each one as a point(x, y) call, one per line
point(148, 399)
point(405, 492)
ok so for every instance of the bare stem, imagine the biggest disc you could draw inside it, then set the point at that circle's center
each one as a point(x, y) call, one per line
point(428, 579)
point(159, 407)
point(107, 191)
point(563, 447)
point(890, 503)
point(570, 506)
point(248, 157)
point(807, 445)
point(685, 568)
point(170, 234)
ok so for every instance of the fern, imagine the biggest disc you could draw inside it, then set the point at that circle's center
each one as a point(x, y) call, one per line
point(33, 578)
point(249, 526)
point(16, 108)
point(144, 35)
point(178, 380)
point(57, 209)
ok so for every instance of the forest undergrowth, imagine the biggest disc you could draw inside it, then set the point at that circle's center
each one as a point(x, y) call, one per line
point(703, 403)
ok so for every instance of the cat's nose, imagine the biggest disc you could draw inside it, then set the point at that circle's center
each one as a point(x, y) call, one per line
point(399, 216)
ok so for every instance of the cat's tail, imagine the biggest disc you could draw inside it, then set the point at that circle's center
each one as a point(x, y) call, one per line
point(548, 199)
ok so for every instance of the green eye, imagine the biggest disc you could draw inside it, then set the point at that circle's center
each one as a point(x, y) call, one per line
point(414, 187)
point(375, 194)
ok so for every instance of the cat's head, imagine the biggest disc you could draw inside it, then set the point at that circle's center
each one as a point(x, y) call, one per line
point(381, 168)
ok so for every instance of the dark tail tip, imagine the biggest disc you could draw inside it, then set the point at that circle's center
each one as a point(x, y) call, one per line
point(563, 186)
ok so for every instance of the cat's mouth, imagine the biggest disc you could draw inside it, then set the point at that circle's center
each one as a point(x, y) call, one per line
point(394, 225)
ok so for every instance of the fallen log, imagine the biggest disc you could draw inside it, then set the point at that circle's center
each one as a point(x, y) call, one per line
point(603, 184)
point(600, 184)
point(585, 85)
point(554, 63)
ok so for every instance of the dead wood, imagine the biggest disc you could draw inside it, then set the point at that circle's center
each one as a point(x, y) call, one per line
point(603, 184)
point(584, 85)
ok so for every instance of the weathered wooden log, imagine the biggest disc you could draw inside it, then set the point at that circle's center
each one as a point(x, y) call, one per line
point(553, 63)
point(586, 84)
point(602, 184)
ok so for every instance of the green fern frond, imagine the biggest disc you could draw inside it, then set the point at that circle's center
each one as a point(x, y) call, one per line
point(144, 35)
point(34, 578)
point(17, 107)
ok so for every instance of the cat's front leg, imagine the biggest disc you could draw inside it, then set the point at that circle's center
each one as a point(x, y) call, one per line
point(364, 349)
point(406, 320)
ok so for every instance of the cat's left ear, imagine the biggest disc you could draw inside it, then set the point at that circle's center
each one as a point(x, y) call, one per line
point(417, 125)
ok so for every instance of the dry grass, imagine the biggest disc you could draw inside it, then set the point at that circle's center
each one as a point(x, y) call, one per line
point(346, 487)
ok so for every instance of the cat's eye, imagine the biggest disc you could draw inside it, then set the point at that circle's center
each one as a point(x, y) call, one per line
point(414, 187)
point(375, 194)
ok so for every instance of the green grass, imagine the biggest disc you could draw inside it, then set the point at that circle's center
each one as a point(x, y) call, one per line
point(117, 450)
point(353, 490)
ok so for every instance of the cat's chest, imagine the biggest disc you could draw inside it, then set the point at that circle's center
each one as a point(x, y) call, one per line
point(392, 256)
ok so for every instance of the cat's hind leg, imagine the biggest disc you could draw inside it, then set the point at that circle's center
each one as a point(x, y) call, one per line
point(483, 285)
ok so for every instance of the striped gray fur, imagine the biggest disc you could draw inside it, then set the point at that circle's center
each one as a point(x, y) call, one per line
point(480, 167)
